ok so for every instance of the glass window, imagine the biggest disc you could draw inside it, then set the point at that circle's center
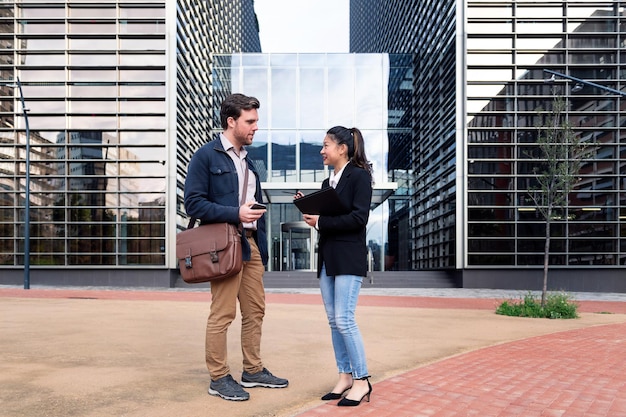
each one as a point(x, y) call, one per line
point(142, 106)
point(370, 103)
point(95, 60)
point(142, 122)
point(498, 9)
point(47, 75)
point(44, 44)
point(92, 27)
point(92, 106)
point(97, 122)
point(489, 26)
point(283, 155)
point(340, 108)
point(493, 58)
point(491, 259)
point(311, 98)
point(48, 11)
point(95, 90)
point(142, 59)
point(142, 90)
point(491, 245)
point(142, 168)
point(91, 43)
point(312, 167)
point(92, 75)
point(139, 10)
point(46, 106)
point(141, 184)
point(142, 44)
point(42, 59)
point(477, 43)
point(49, 122)
point(101, 11)
point(156, 26)
point(142, 75)
point(31, 27)
point(282, 98)
point(87, 259)
point(146, 138)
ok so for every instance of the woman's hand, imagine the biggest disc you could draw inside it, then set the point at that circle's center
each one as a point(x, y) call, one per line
point(311, 219)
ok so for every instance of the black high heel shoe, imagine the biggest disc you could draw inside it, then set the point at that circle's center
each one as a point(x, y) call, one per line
point(334, 395)
point(353, 403)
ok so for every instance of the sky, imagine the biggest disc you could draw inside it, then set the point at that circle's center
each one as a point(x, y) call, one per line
point(303, 25)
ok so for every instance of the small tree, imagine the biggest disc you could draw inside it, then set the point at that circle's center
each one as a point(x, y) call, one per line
point(561, 154)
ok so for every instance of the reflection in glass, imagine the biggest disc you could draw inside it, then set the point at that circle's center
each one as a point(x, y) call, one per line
point(312, 93)
point(91, 184)
point(284, 99)
point(95, 60)
point(143, 59)
point(93, 43)
point(101, 11)
point(92, 27)
point(283, 156)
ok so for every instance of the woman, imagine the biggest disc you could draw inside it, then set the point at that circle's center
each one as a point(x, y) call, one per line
point(342, 261)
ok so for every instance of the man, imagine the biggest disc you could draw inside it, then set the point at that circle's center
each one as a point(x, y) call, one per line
point(213, 190)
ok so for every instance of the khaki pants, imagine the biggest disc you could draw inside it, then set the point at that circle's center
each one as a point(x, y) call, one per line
point(247, 286)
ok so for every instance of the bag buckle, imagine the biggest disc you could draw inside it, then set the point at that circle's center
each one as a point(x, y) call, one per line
point(214, 258)
point(188, 262)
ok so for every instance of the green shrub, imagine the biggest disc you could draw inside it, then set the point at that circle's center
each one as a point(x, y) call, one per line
point(558, 306)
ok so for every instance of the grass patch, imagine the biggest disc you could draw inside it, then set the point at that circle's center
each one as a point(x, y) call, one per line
point(558, 306)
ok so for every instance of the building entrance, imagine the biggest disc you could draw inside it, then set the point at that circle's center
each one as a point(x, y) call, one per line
point(297, 246)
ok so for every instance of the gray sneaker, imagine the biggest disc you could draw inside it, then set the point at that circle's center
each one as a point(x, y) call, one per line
point(227, 388)
point(262, 379)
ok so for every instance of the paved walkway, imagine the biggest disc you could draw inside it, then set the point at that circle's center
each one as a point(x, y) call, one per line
point(576, 372)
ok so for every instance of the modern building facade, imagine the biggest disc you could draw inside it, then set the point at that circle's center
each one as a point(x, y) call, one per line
point(479, 85)
point(121, 93)
point(302, 96)
point(117, 95)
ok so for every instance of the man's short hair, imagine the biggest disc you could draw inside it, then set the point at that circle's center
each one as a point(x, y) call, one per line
point(234, 104)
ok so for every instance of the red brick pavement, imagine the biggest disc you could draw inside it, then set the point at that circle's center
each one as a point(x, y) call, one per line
point(572, 373)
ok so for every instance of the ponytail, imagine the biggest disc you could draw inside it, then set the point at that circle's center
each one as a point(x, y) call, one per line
point(353, 139)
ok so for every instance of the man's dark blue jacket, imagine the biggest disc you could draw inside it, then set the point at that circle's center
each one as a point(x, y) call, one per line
point(212, 193)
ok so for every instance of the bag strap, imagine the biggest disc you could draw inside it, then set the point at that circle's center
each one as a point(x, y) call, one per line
point(192, 221)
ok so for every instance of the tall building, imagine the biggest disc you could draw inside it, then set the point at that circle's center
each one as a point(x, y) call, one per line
point(479, 88)
point(449, 94)
point(118, 94)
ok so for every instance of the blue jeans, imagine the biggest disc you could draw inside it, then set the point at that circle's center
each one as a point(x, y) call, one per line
point(340, 295)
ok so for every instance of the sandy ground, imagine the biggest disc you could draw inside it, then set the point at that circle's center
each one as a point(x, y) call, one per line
point(96, 358)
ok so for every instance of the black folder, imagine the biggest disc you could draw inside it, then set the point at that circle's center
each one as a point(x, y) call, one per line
point(325, 202)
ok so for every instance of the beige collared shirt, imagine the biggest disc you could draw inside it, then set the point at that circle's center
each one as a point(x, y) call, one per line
point(239, 158)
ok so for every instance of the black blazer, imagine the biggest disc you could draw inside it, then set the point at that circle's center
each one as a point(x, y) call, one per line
point(342, 247)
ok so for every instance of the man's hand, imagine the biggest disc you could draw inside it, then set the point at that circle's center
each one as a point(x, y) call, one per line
point(248, 214)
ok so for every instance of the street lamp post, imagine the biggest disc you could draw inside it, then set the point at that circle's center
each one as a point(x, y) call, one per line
point(26, 192)
point(578, 80)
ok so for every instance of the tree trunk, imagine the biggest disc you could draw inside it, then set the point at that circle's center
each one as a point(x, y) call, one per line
point(546, 259)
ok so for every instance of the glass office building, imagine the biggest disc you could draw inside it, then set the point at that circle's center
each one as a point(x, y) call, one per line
point(479, 84)
point(302, 96)
point(120, 94)
point(117, 93)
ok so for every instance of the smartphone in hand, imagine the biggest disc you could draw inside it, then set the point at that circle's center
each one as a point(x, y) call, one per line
point(258, 206)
